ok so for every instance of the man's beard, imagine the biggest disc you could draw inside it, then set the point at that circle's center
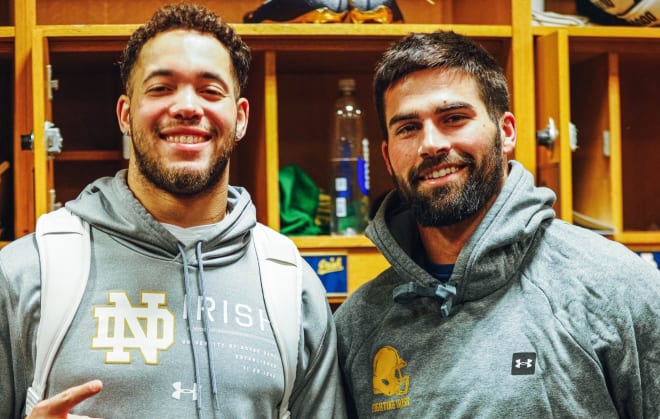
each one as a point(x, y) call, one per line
point(453, 203)
point(180, 181)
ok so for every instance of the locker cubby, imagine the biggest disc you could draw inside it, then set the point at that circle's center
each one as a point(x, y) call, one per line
point(591, 161)
point(83, 108)
point(6, 146)
point(640, 141)
point(613, 92)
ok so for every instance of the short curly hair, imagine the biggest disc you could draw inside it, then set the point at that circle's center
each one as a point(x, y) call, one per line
point(186, 16)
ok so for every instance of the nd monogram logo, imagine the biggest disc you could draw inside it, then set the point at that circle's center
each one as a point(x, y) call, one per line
point(121, 327)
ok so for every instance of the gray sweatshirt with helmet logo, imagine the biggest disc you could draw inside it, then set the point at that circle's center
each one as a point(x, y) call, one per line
point(548, 320)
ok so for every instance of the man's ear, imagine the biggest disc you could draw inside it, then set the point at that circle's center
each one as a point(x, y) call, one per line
point(123, 114)
point(508, 131)
point(242, 116)
point(386, 156)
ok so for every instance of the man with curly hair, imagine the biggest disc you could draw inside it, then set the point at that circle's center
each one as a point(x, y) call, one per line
point(173, 321)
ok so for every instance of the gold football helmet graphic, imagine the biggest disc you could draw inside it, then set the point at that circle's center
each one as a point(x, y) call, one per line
point(388, 377)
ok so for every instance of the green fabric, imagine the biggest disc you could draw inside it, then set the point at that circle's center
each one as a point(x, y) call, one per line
point(299, 200)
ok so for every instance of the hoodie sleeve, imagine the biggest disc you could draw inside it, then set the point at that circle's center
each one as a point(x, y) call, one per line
point(627, 340)
point(8, 394)
point(19, 305)
point(318, 392)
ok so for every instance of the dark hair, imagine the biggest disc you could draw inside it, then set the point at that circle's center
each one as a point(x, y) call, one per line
point(186, 16)
point(447, 50)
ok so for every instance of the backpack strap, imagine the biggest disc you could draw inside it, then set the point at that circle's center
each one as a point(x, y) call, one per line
point(280, 266)
point(64, 256)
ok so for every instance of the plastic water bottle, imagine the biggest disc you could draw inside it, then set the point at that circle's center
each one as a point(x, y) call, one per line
point(349, 158)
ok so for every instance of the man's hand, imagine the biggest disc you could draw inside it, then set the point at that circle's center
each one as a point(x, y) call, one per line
point(59, 405)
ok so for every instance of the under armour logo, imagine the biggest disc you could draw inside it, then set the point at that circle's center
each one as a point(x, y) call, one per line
point(523, 363)
point(122, 327)
point(178, 391)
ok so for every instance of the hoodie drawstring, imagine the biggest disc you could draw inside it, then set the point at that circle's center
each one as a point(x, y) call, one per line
point(189, 316)
point(205, 323)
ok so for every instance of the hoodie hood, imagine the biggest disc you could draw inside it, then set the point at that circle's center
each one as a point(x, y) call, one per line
point(110, 206)
point(493, 253)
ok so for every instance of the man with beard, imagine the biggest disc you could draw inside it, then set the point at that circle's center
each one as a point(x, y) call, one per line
point(173, 321)
point(492, 308)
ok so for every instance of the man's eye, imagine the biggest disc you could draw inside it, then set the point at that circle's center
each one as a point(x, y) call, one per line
point(157, 89)
point(406, 129)
point(455, 118)
point(213, 92)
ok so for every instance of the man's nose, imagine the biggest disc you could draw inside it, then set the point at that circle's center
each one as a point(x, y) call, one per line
point(434, 141)
point(187, 104)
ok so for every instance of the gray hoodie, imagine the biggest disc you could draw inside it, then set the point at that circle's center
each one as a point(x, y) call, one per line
point(548, 320)
point(135, 330)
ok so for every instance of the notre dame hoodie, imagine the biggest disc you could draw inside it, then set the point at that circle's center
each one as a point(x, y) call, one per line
point(548, 320)
point(136, 332)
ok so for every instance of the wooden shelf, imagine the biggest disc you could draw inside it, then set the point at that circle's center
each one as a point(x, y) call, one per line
point(7, 32)
point(349, 37)
point(640, 240)
point(274, 32)
point(271, 36)
point(606, 32)
point(6, 40)
point(332, 242)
